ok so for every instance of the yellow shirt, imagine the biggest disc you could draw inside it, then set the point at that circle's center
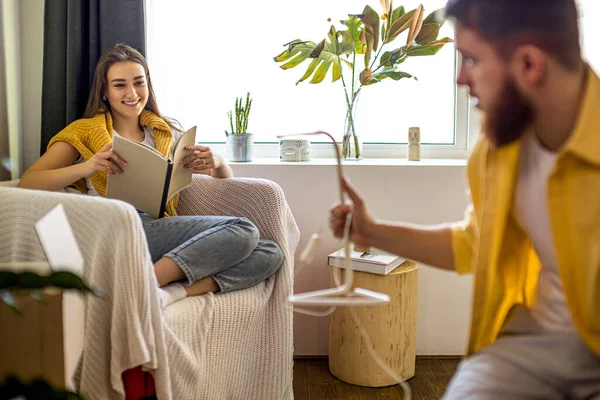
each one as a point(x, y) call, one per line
point(490, 244)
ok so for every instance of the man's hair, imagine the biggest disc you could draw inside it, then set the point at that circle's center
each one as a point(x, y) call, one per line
point(550, 25)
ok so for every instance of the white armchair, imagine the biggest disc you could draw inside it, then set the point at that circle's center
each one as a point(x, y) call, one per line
point(237, 345)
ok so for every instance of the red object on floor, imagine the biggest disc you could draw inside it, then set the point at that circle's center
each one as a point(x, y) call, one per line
point(138, 384)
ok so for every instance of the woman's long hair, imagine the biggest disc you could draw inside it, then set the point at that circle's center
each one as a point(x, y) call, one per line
point(119, 53)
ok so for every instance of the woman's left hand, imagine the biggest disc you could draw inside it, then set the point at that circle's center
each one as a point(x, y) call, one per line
point(201, 160)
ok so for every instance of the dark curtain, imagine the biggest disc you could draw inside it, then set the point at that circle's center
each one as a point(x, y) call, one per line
point(76, 34)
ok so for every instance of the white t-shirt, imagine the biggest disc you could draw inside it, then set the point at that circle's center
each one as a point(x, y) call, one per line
point(532, 213)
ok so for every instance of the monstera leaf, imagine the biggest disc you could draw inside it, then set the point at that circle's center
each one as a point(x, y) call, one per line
point(325, 54)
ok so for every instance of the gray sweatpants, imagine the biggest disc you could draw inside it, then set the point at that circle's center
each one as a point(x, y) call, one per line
point(527, 362)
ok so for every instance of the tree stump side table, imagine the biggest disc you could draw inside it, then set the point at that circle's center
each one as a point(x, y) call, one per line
point(392, 329)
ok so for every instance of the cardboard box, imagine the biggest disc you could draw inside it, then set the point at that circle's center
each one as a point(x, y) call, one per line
point(45, 341)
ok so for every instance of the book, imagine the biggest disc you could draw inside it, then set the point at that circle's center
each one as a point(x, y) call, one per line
point(375, 262)
point(150, 180)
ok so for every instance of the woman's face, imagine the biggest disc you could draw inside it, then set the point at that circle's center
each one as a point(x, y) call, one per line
point(126, 89)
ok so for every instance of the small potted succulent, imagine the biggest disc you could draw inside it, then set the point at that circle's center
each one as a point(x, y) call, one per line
point(240, 143)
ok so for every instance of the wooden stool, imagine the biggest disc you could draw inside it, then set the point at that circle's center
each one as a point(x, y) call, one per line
point(392, 329)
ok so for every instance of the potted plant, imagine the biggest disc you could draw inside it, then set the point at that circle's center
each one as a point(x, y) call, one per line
point(32, 284)
point(365, 35)
point(240, 143)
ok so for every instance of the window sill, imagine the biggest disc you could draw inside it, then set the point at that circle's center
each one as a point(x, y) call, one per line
point(382, 162)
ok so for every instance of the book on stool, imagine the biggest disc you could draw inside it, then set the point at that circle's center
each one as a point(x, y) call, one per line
point(374, 261)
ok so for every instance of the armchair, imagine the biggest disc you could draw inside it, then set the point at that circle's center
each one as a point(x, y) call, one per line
point(230, 346)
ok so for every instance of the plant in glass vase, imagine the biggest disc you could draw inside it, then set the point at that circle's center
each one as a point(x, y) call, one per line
point(365, 35)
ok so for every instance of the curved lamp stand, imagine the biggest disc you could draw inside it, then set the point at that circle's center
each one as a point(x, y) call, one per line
point(342, 295)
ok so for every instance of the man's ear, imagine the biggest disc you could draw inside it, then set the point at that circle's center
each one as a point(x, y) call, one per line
point(529, 64)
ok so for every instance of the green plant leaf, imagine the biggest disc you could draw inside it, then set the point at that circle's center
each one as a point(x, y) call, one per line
point(8, 279)
point(391, 58)
point(327, 54)
point(30, 280)
point(415, 26)
point(9, 299)
point(441, 42)
point(428, 33)
point(400, 25)
point(432, 18)
point(391, 73)
point(354, 25)
point(370, 20)
point(68, 280)
point(296, 53)
point(427, 50)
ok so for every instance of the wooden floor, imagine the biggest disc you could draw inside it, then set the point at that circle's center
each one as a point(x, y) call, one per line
point(313, 381)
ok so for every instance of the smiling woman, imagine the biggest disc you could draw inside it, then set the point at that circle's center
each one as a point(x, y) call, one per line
point(122, 103)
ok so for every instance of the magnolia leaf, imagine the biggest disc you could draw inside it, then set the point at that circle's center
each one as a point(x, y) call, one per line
point(428, 33)
point(370, 19)
point(367, 39)
point(399, 25)
point(427, 50)
point(396, 14)
point(436, 17)
point(391, 73)
point(385, 4)
point(365, 76)
point(354, 24)
point(391, 58)
point(416, 24)
point(441, 42)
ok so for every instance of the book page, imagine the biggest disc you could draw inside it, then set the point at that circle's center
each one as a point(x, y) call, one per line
point(143, 180)
point(181, 177)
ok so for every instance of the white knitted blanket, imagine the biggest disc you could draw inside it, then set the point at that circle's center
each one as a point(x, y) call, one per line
point(237, 345)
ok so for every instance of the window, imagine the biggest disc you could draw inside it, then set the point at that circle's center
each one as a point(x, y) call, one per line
point(204, 54)
point(589, 11)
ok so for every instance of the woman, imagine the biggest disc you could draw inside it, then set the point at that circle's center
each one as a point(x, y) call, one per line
point(212, 253)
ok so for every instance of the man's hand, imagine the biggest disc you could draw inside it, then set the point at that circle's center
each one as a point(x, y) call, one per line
point(361, 224)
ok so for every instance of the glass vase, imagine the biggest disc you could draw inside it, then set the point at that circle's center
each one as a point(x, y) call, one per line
point(352, 145)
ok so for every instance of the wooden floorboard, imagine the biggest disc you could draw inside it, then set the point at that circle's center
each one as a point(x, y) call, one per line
point(313, 381)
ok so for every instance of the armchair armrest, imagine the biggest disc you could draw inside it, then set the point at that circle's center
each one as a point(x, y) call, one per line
point(260, 200)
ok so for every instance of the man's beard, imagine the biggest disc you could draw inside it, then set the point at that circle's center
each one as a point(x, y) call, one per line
point(509, 118)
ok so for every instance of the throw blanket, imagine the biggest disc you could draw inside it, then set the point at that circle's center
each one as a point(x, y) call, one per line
point(233, 346)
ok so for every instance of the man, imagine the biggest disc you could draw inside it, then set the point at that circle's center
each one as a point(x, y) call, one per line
point(532, 234)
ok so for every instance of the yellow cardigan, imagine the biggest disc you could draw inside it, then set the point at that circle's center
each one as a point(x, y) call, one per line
point(490, 244)
point(89, 135)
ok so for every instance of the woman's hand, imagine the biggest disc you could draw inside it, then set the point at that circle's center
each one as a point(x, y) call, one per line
point(105, 160)
point(202, 159)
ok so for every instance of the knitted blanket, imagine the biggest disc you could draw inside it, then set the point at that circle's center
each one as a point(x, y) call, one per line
point(237, 345)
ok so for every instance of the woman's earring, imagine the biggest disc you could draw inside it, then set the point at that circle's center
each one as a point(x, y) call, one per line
point(103, 98)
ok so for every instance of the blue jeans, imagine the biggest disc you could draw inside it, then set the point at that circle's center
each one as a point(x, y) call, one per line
point(228, 249)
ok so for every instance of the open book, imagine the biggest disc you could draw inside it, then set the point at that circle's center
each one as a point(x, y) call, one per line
point(376, 262)
point(150, 179)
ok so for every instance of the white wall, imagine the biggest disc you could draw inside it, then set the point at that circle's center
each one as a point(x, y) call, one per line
point(417, 194)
